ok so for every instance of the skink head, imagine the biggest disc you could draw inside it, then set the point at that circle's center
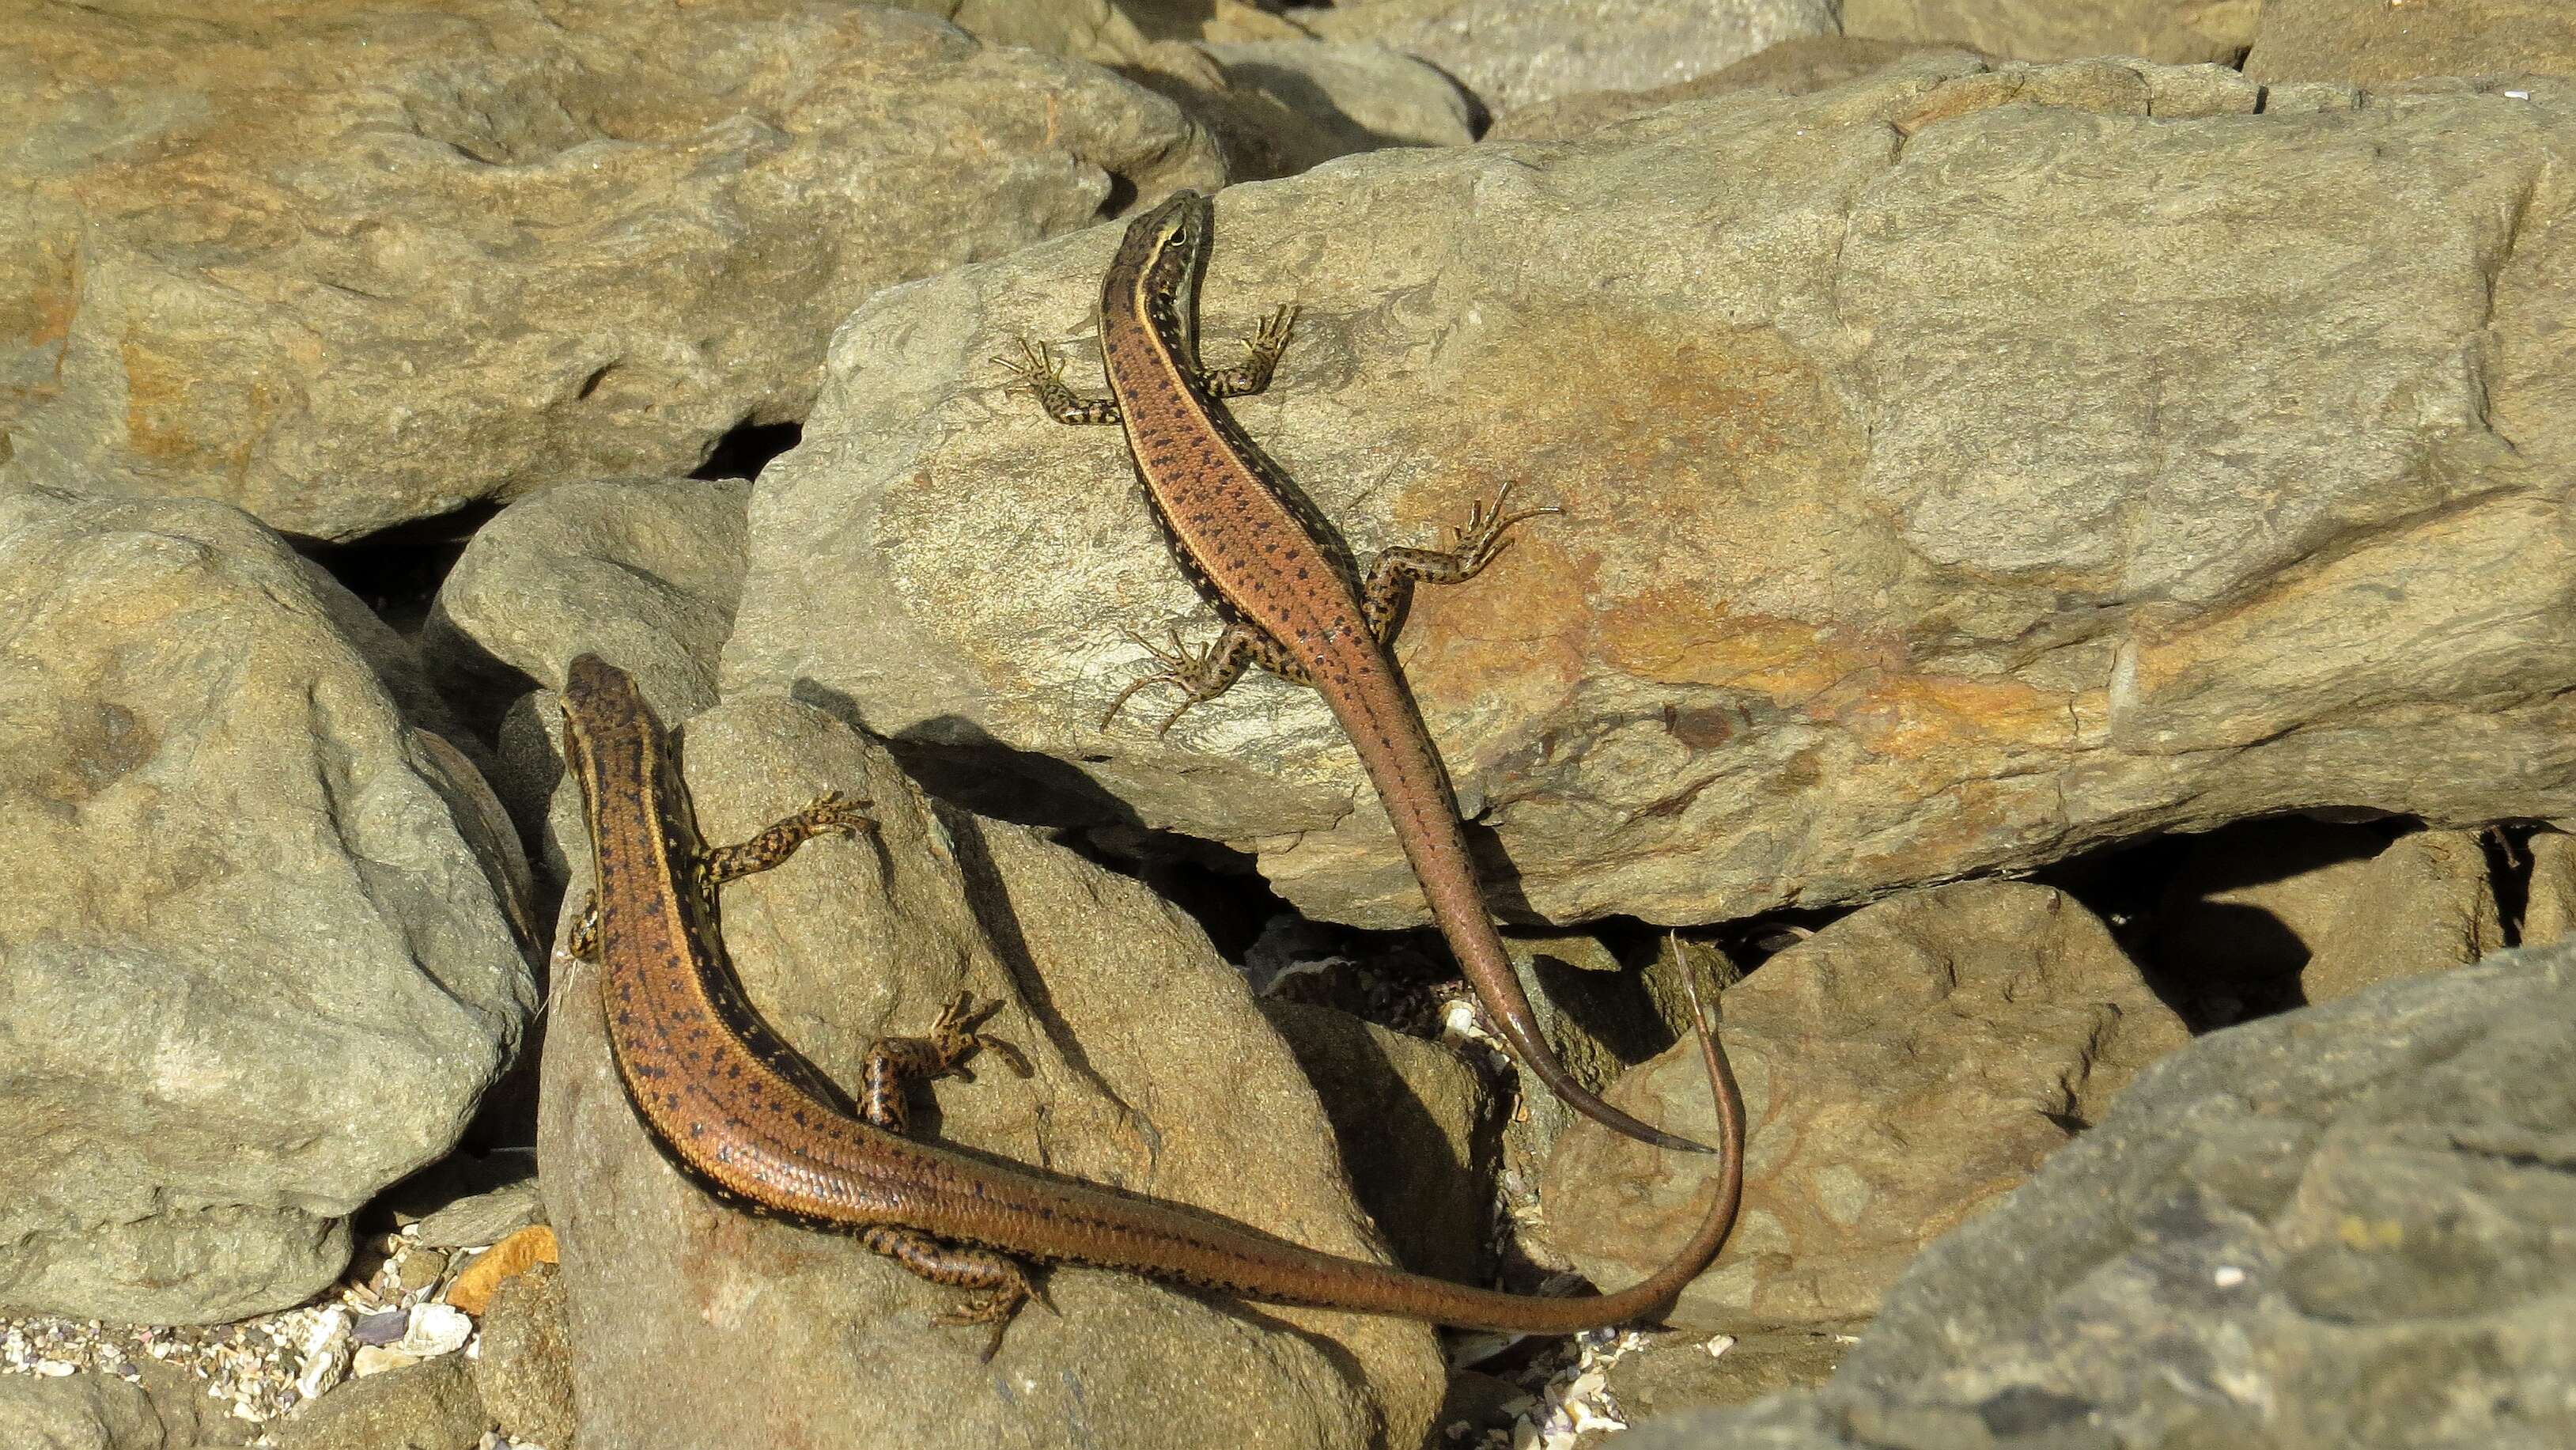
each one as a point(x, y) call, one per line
point(1160, 260)
point(603, 712)
point(596, 688)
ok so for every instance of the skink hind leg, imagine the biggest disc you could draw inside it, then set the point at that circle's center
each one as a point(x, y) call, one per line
point(1001, 1285)
point(582, 942)
point(1472, 546)
point(893, 1065)
point(1202, 675)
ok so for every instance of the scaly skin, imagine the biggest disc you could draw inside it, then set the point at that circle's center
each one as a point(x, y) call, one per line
point(1239, 535)
point(750, 1121)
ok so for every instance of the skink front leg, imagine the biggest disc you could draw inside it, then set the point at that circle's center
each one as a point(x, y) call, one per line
point(1039, 370)
point(1263, 348)
point(831, 814)
point(894, 1064)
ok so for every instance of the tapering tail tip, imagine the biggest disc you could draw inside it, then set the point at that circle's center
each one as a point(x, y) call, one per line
point(1543, 1065)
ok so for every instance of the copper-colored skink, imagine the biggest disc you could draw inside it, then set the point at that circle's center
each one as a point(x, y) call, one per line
point(752, 1122)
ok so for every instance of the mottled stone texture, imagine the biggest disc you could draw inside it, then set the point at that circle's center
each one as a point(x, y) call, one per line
point(350, 263)
point(2347, 1225)
point(1963, 467)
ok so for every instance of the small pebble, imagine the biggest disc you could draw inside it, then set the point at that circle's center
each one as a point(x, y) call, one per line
point(436, 1329)
point(421, 1270)
point(381, 1328)
point(373, 1359)
point(261, 1368)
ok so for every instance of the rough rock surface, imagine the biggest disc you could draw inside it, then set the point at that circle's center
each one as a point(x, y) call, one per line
point(1416, 1127)
point(426, 1406)
point(1900, 1069)
point(1513, 52)
point(1678, 1372)
point(1100, 31)
point(268, 908)
point(2372, 42)
point(2549, 888)
point(2347, 1225)
point(359, 262)
point(1284, 106)
point(523, 1368)
point(2288, 912)
point(645, 572)
point(467, 1203)
point(789, 1335)
point(1793, 67)
point(84, 1412)
point(2178, 31)
point(1976, 491)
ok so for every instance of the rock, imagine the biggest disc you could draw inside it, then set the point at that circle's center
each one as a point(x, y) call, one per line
point(1475, 1401)
point(268, 966)
point(1100, 31)
point(350, 271)
point(421, 1269)
point(1284, 106)
point(2344, 1225)
point(2285, 912)
point(486, 1218)
point(2549, 891)
point(83, 1412)
point(1416, 1129)
point(644, 572)
point(1901, 1069)
point(1675, 1373)
point(1385, 97)
point(425, 1406)
point(1790, 68)
point(2179, 31)
point(524, 1370)
point(800, 1337)
point(2371, 43)
point(1948, 538)
point(1514, 52)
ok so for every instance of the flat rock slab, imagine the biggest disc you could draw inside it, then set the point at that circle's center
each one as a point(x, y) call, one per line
point(2372, 42)
point(1963, 467)
point(350, 264)
point(1513, 52)
point(2177, 31)
point(2346, 1225)
point(263, 943)
point(1154, 1073)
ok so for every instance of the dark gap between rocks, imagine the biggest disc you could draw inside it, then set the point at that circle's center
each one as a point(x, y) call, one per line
point(746, 449)
point(396, 571)
point(2508, 852)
